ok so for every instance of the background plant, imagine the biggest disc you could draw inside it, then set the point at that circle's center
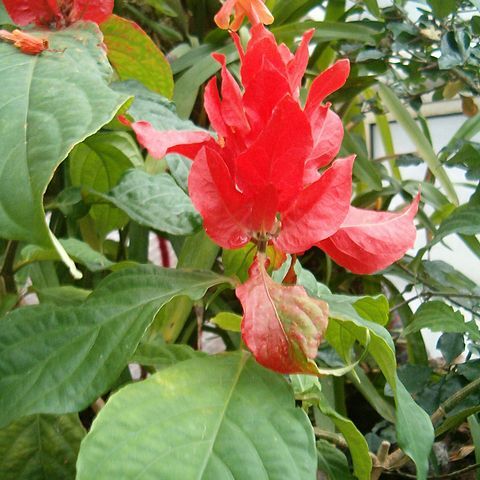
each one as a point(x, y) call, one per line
point(71, 353)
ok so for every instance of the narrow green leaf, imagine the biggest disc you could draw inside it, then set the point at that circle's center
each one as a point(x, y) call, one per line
point(327, 31)
point(48, 103)
point(40, 447)
point(69, 356)
point(474, 425)
point(135, 56)
point(155, 201)
point(195, 420)
point(425, 150)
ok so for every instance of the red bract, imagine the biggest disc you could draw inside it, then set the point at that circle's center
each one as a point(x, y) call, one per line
point(266, 175)
point(282, 326)
point(58, 12)
point(254, 10)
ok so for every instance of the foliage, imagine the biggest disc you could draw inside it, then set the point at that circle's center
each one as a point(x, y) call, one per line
point(83, 205)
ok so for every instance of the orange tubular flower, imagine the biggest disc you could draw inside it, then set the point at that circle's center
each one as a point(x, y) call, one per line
point(26, 43)
point(255, 10)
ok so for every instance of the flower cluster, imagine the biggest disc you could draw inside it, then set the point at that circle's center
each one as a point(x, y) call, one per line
point(268, 174)
point(254, 10)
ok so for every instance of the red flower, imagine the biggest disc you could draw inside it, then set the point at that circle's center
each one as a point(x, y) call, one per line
point(255, 10)
point(58, 12)
point(260, 177)
point(25, 42)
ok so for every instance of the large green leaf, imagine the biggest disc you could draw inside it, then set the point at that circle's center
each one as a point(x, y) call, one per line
point(58, 360)
point(40, 447)
point(222, 417)
point(424, 147)
point(155, 201)
point(48, 103)
point(98, 163)
point(134, 55)
point(414, 428)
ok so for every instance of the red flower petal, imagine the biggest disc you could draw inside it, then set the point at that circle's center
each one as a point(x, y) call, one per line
point(319, 210)
point(298, 65)
point(225, 211)
point(369, 241)
point(23, 12)
point(327, 131)
point(277, 157)
point(159, 143)
point(282, 326)
point(231, 106)
point(94, 10)
point(326, 83)
point(213, 107)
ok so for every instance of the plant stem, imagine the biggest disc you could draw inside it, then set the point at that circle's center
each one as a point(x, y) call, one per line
point(7, 272)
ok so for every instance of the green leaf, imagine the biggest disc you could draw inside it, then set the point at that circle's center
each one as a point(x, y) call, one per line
point(48, 103)
point(80, 251)
point(332, 461)
point(463, 220)
point(135, 56)
point(425, 150)
point(40, 447)
point(414, 428)
point(228, 321)
point(308, 389)
point(327, 31)
point(442, 8)
point(63, 295)
point(69, 356)
point(155, 201)
point(98, 164)
point(164, 355)
point(188, 84)
point(153, 108)
point(213, 418)
point(375, 309)
point(440, 317)
point(451, 345)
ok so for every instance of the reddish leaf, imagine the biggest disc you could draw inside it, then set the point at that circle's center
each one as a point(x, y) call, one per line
point(25, 42)
point(225, 211)
point(319, 210)
point(23, 12)
point(134, 55)
point(326, 83)
point(282, 326)
point(277, 157)
point(369, 241)
point(94, 10)
point(159, 143)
